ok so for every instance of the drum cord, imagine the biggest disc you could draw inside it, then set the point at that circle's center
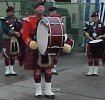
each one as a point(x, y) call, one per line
point(62, 36)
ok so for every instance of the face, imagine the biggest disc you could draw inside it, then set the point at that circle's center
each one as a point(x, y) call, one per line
point(52, 12)
point(95, 19)
point(10, 13)
point(40, 9)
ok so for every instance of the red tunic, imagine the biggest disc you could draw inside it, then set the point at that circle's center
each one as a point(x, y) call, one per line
point(29, 28)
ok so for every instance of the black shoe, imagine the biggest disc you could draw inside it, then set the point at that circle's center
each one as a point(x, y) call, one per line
point(55, 73)
point(7, 75)
point(38, 96)
point(13, 74)
point(95, 75)
point(50, 96)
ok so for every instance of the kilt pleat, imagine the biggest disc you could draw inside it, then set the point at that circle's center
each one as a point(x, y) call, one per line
point(6, 45)
point(31, 59)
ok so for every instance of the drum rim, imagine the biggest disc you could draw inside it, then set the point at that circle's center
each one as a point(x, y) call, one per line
point(95, 41)
point(45, 46)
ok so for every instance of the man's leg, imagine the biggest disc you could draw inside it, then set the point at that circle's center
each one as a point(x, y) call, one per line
point(12, 61)
point(37, 79)
point(90, 61)
point(90, 66)
point(96, 66)
point(48, 76)
point(7, 72)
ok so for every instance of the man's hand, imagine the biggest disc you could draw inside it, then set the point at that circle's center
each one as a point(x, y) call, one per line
point(33, 45)
point(17, 34)
point(99, 37)
point(87, 35)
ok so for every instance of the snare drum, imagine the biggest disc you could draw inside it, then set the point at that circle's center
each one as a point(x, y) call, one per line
point(50, 35)
point(97, 48)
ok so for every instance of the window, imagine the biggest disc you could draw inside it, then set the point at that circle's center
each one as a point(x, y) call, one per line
point(63, 0)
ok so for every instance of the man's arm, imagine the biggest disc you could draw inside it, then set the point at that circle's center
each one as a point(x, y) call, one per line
point(86, 31)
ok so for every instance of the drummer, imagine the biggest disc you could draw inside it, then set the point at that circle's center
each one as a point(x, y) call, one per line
point(40, 64)
point(93, 30)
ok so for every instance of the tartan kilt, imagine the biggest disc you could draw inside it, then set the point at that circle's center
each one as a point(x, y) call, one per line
point(91, 55)
point(21, 55)
point(6, 45)
point(31, 60)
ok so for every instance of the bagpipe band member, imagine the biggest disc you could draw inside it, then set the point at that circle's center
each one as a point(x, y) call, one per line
point(40, 64)
point(52, 11)
point(11, 28)
point(68, 41)
point(94, 30)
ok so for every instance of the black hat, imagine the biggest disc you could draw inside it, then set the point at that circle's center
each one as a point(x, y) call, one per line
point(52, 8)
point(9, 9)
point(38, 5)
point(94, 14)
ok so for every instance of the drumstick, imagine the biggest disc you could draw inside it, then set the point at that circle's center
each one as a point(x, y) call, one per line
point(99, 37)
point(90, 38)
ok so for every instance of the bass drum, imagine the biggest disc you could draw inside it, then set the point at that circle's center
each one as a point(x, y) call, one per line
point(50, 35)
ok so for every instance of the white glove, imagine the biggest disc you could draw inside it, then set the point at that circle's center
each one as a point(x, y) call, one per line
point(33, 45)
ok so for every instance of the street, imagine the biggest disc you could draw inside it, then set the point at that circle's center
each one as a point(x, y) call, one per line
point(70, 84)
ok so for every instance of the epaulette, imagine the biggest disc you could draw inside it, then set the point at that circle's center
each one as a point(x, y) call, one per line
point(2, 17)
point(28, 18)
point(25, 18)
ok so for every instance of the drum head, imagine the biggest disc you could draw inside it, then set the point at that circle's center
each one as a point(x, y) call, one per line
point(96, 41)
point(42, 37)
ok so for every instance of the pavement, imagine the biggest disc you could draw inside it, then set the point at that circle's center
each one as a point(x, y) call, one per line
point(70, 84)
